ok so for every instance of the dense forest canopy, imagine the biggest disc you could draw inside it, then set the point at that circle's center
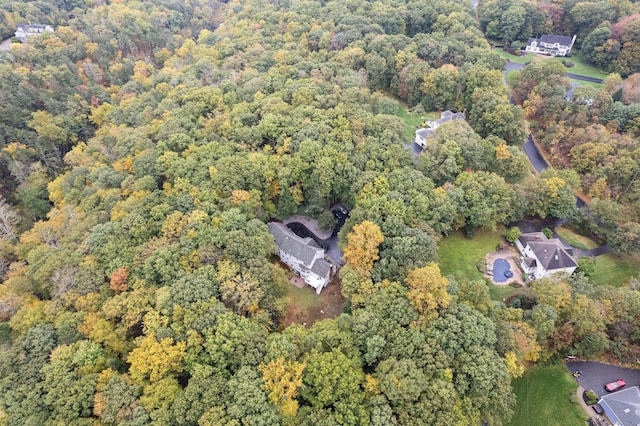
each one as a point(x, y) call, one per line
point(146, 144)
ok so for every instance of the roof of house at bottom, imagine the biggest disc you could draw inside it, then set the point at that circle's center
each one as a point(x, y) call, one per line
point(623, 407)
point(303, 249)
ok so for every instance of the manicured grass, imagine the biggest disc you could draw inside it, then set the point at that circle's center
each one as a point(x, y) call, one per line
point(581, 66)
point(413, 120)
point(518, 59)
point(575, 240)
point(543, 398)
point(501, 292)
point(616, 270)
point(459, 255)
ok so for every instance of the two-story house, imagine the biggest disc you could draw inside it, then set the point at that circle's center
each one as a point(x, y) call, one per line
point(543, 257)
point(550, 44)
point(303, 255)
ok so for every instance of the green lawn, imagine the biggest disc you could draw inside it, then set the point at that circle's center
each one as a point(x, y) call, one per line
point(413, 120)
point(616, 270)
point(518, 59)
point(459, 255)
point(543, 398)
point(575, 240)
point(581, 66)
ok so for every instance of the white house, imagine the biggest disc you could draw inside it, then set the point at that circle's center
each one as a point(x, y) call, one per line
point(550, 44)
point(423, 133)
point(542, 257)
point(24, 31)
point(302, 255)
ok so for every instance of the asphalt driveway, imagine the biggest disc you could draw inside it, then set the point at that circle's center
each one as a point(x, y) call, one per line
point(597, 374)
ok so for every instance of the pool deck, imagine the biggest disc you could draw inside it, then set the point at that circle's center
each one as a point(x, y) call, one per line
point(509, 254)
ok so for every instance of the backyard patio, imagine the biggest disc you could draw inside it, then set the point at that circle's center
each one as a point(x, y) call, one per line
point(509, 254)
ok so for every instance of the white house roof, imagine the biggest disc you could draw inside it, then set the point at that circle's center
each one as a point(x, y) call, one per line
point(294, 245)
point(623, 407)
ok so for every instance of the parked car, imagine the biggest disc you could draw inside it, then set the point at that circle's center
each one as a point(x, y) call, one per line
point(613, 386)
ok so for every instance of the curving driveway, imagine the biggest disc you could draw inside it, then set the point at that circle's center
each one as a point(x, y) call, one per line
point(535, 157)
point(597, 374)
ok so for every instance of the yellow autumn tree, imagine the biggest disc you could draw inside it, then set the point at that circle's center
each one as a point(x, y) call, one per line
point(155, 359)
point(361, 250)
point(282, 378)
point(427, 292)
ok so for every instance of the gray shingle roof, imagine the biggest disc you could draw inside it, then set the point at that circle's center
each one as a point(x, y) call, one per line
point(552, 255)
point(553, 39)
point(624, 405)
point(424, 133)
point(321, 268)
point(292, 244)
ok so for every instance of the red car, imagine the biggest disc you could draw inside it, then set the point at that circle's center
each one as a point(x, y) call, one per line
point(613, 386)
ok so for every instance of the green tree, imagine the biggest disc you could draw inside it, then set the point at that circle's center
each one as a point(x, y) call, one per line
point(333, 380)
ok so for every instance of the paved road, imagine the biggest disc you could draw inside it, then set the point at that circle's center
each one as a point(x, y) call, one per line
point(536, 159)
point(6, 44)
point(516, 66)
point(597, 374)
point(513, 66)
point(584, 78)
point(598, 251)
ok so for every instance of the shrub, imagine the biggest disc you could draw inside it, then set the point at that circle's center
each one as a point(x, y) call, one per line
point(587, 266)
point(574, 398)
point(547, 232)
point(590, 397)
point(512, 234)
point(567, 64)
point(482, 266)
point(515, 285)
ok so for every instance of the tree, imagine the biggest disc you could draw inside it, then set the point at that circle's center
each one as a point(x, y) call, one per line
point(332, 380)
point(282, 379)
point(155, 359)
point(493, 114)
point(361, 250)
point(488, 200)
point(512, 234)
point(9, 219)
point(427, 292)
point(118, 282)
point(626, 238)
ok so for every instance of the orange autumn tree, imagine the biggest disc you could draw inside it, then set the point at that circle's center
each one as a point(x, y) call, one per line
point(119, 278)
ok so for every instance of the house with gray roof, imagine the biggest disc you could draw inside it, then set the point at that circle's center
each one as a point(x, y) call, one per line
point(549, 44)
point(543, 257)
point(24, 31)
point(303, 255)
point(425, 133)
point(622, 407)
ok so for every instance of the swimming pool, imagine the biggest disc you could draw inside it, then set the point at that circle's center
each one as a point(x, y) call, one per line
point(500, 269)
